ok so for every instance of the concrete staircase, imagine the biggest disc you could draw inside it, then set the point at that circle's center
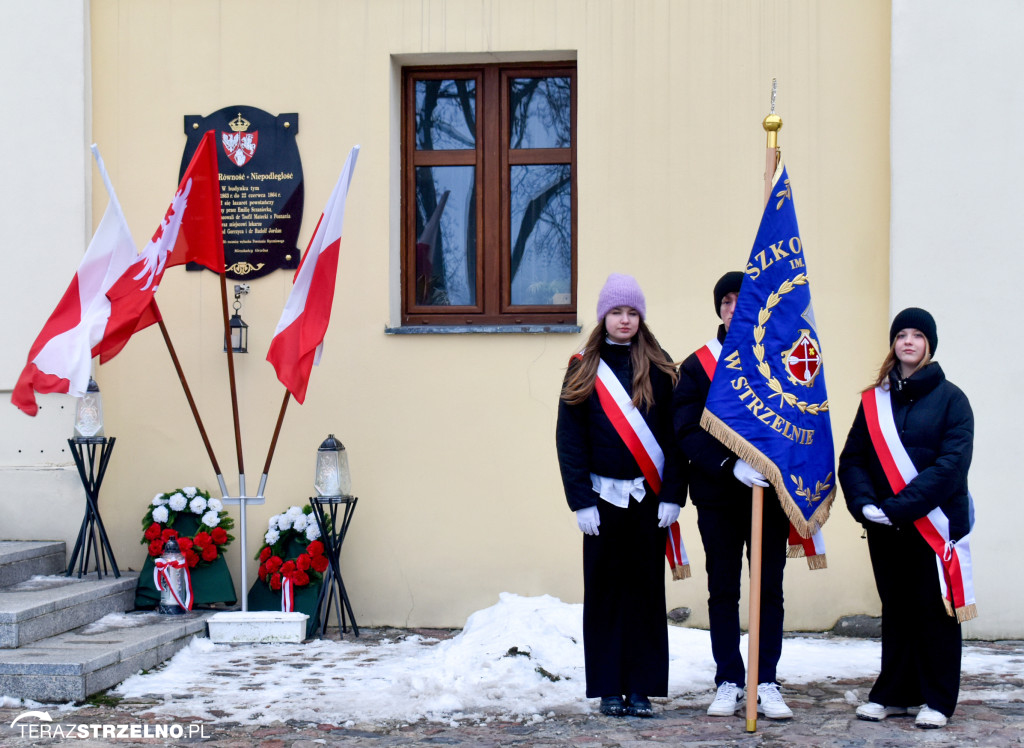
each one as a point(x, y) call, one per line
point(64, 638)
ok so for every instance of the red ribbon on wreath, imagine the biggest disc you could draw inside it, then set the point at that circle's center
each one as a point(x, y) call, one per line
point(160, 576)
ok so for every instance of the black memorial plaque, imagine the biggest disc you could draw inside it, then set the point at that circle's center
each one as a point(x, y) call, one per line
point(261, 192)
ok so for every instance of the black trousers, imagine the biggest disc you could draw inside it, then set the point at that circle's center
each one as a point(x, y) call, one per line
point(921, 642)
point(625, 627)
point(724, 531)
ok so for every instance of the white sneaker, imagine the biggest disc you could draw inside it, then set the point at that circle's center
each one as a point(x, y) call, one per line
point(727, 700)
point(770, 702)
point(873, 712)
point(930, 719)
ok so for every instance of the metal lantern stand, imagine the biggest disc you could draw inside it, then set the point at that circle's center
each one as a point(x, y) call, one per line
point(332, 534)
point(91, 457)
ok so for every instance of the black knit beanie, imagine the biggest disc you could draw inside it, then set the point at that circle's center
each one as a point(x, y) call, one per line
point(728, 283)
point(917, 319)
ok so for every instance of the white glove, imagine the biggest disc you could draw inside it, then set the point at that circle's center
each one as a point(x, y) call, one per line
point(588, 519)
point(873, 513)
point(746, 475)
point(667, 513)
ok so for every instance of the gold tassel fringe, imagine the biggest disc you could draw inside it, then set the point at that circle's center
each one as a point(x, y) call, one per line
point(681, 572)
point(966, 613)
point(817, 562)
point(753, 456)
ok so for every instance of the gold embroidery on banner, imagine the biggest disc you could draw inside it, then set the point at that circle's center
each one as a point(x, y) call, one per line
point(812, 498)
point(762, 366)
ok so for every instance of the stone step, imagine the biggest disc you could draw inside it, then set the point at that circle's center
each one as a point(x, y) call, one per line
point(45, 606)
point(75, 664)
point(23, 559)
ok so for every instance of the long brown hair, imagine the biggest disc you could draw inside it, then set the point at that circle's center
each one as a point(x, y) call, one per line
point(644, 350)
point(892, 361)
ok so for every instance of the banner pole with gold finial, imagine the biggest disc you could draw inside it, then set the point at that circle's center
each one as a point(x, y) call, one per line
point(772, 124)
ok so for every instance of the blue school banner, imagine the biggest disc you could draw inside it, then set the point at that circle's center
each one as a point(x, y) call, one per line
point(768, 402)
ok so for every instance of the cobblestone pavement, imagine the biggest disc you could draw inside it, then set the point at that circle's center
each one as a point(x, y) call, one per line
point(824, 718)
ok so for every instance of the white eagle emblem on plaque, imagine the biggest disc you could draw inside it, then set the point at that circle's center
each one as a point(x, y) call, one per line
point(239, 144)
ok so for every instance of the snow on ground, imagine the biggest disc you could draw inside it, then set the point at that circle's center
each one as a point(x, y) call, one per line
point(521, 659)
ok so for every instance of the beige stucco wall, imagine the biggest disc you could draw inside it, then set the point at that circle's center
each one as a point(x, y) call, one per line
point(956, 229)
point(451, 436)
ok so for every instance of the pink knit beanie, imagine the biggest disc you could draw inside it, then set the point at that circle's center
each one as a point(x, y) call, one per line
point(620, 290)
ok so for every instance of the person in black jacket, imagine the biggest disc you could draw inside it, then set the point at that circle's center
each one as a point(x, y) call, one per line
point(720, 486)
point(921, 640)
point(622, 515)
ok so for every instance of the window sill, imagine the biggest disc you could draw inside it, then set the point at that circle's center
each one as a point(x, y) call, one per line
point(485, 329)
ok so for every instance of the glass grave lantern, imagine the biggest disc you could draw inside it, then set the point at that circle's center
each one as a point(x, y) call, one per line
point(89, 413)
point(332, 474)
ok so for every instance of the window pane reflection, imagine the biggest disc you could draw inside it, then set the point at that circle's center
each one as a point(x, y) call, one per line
point(541, 112)
point(445, 115)
point(445, 235)
point(541, 234)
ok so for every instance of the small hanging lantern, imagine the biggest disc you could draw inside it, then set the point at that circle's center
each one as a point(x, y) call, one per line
point(173, 580)
point(332, 475)
point(89, 413)
point(239, 331)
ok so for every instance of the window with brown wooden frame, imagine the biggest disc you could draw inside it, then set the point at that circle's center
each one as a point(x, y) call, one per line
point(489, 195)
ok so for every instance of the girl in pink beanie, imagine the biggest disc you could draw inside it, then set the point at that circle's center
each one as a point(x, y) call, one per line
point(623, 479)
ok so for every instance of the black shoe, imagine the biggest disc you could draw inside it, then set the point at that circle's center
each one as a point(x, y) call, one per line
point(639, 706)
point(613, 706)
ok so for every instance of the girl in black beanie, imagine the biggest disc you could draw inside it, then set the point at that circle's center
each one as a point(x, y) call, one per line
point(904, 474)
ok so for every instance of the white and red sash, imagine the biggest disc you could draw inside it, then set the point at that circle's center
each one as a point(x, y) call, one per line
point(287, 594)
point(953, 557)
point(631, 427)
point(161, 577)
point(813, 548)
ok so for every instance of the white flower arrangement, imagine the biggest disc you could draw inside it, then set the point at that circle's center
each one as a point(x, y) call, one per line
point(211, 519)
point(197, 505)
point(215, 505)
point(177, 502)
point(295, 519)
point(160, 514)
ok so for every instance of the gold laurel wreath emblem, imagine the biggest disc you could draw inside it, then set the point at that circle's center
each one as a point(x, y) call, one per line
point(812, 497)
point(762, 366)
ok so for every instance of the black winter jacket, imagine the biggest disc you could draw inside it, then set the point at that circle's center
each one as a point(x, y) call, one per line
point(710, 474)
point(588, 443)
point(936, 425)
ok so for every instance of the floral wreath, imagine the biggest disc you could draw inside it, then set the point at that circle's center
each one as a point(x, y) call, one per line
point(211, 538)
point(298, 524)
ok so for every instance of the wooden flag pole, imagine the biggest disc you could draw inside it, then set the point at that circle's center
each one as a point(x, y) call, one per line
point(273, 442)
point(191, 402)
point(772, 124)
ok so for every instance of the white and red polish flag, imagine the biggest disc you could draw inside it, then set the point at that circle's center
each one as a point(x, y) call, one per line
point(299, 337)
point(60, 360)
point(190, 231)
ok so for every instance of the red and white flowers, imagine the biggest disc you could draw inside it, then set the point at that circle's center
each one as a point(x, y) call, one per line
point(211, 537)
point(291, 549)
